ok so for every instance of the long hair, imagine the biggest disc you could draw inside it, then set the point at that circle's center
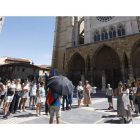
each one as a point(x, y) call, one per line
point(125, 86)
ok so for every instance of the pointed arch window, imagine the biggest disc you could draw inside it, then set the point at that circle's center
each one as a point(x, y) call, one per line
point(97, 36)
point(112, 32)
point(104, 35)
point(121, 31)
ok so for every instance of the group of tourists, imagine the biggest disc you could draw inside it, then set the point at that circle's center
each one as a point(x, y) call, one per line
point(128, 99)
point(14, 94)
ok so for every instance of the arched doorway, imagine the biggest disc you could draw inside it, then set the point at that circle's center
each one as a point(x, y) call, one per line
point(126, 68)
point(136, 60)
point(106, 59)
point(76, 68)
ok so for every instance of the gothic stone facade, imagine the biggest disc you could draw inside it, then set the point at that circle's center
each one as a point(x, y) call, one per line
point(90, 46)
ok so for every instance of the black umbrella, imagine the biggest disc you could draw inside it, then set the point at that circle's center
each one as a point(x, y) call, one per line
point(60, 85)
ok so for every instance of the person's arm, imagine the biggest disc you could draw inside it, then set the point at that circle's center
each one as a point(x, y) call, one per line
point(60, 97)
point(112, 93)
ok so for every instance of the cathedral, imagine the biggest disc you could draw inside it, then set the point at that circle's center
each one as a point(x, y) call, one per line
point(91, 46)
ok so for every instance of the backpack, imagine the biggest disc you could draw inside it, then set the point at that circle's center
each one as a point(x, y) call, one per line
point(50, 100)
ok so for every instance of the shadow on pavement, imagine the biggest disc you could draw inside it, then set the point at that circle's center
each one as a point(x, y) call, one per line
point(25, 116)
point(112, 121)
point(101, 109)
point(110, 116)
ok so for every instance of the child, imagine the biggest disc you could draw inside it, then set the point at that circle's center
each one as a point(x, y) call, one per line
point(38, 96)
point(109, 93)
point(33, 94)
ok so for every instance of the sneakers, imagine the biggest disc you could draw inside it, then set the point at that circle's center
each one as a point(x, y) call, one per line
point(37, 115)
point(128, 121)
point(20, 111)
point(40, 114)
point(5, 117)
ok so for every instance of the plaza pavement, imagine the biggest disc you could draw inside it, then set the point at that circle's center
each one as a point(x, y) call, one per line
point(97, 113)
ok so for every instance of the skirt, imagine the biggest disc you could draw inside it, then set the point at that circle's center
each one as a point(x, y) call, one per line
point(124, 112)
point(24, 94)
point(8, 99)
point(86, 99)
point(40, 100)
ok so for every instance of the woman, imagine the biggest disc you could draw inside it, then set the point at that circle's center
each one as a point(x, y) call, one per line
point(119, 98)
point(135, 104)
point(138, 100)
point(24, 95)
point(40, 98)
point(33, 89)
point(80, 93)
point(87, 100)
point(125, 98)
point(131, 92)
point(2, 93)
point(9, 97)
point(15, 101)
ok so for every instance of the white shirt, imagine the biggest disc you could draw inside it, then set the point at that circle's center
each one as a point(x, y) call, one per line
point(13, 86)
point(79, 88)
point(3, 92)
point(125, 98)
point(135, 89)
point(26, 87)
point(18, 87)
point(33, 90)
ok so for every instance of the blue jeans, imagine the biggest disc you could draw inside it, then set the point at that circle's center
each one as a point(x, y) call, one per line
point(65, 97)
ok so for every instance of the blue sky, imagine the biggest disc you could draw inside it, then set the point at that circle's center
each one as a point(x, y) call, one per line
point(30, 37)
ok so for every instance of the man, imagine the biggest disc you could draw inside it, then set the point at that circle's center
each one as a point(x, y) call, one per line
point(65, 97)
point(55, 108)
point(109, 93)
point(128, 84)
point(133, 83)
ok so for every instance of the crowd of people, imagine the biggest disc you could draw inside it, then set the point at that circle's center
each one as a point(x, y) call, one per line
point(128, 99)
point(14, 95)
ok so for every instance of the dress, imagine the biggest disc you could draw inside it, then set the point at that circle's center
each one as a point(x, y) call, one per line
point(125, 106)
point(42, 94)
point(119, 102)
point(87, 95)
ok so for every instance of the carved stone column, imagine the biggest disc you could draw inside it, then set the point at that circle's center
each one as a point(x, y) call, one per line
point(122, 73)
point(103, 82)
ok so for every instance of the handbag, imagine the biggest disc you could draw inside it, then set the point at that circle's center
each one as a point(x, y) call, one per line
point(80, 94)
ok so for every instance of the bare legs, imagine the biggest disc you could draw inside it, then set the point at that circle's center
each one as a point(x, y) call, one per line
point(23, 103)
point(131, 103)
point(57, 120)
point(79, 103)
point(7, 105)
point(38, 108)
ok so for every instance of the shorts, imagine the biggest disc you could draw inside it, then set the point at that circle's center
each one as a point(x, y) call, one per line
point(40, 100)
point(24, 94)
point(55, 109)
point(130, 97)
point(2, 97)
point(110, 99)
point(32, 97)
point(9, 99)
